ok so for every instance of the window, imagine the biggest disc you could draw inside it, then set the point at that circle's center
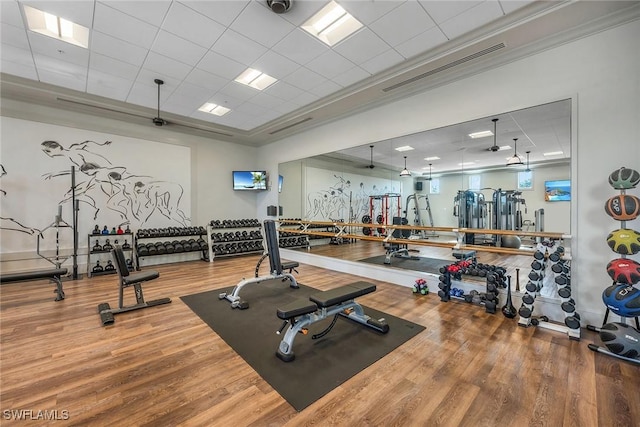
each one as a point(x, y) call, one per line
point(525, 180)
point(475, 182)
point(434, 186)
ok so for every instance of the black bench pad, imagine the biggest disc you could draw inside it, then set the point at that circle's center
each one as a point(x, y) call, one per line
point(142, 276)
point(296, 308)
point(289, 265)
point(33, 275)
point(343, 293)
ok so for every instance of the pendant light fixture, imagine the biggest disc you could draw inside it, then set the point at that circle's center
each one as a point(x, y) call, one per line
point(515, 160)
point(528, 169)
point(429, 179)
point(405, 171)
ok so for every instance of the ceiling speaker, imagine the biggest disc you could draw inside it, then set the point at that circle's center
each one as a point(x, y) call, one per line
point(279, 6)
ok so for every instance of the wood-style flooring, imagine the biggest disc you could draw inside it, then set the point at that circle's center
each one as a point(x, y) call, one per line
point(163, 366)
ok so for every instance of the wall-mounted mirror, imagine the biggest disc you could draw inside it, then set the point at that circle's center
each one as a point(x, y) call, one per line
point(445, 164)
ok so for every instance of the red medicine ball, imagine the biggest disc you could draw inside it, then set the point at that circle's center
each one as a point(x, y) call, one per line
point(624, 270)
point(623, 207)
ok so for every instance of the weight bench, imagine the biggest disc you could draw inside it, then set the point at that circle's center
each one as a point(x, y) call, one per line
point(395, 249)
point(53, 274)
point(335, 302)
point(276, 267)
point(128, 279)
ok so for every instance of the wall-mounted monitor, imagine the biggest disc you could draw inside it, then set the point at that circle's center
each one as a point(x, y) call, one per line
point(557, 191)
point(249, 180)
point(280, 181)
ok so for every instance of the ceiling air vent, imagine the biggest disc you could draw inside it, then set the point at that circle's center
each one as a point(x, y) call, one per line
point(290, 126)
point(447, 66)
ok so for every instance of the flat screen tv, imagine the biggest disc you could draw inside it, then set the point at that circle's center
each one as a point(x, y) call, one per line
point(249, 180)
point(557, 191)
point(280, 180)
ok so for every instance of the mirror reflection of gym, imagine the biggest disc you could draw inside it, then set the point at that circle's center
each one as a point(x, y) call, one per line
point(456, 181)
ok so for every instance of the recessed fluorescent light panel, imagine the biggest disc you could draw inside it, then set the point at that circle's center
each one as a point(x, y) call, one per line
point(552, 153)
point(504, 147)
point(256, 79)
point(53, 26)
point(466, 163)
point(332, 24)
point(482, 134)
point(214, 109)
point(432, 158)
point(404, 148)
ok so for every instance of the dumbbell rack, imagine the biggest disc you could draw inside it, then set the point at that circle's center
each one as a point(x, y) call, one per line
point(488, 299)
point(105, 255)
point(159, 238)
point(232, 237)
point(559, 279)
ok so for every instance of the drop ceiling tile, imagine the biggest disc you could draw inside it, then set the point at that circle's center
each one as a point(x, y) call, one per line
point(173, 107)
point(124, 27)
point(188, 94)
point(275, 65)
point(238, 91)
point(251, 109)
point(414, 21)
point(118, 49)
point(305, 79)
point(166, 65)
point(108, 85)
point(16, 55)
point(191, 25)
point(221, 11)
point(471, 19)
point(260, 24)
point(305, 98)
point(326, 88)
point(10, 14)
point(287, 107)
point(227, 100)
point(221, 66)
point(422, 43)
point(145, 94)
point(18, 69)
point(58, 49)
point(351, 76)
point(177, 48)
point(145, 81)
point(330, 64)
point(60, 73)
point(369, 12)
point(266, 100)
point(283, 91)
point(383, 61)
point(151, 12)
point(206, 80)
point(442, 11)
point(509, 6)
point(300, 11)
point(232, 119)
point(362, 46)
point(238, 47)
point(15, 36)
point(79, 12)
point(299, 46)
point(112, 66)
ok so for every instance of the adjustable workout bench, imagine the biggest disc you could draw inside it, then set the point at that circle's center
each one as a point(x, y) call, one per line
point(53, 274)
point(275, 265)
point(395, 249)
point(335, 302)
point(127, 279)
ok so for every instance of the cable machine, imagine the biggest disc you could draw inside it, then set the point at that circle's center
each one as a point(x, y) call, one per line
point(507, 214)
point(471, 210)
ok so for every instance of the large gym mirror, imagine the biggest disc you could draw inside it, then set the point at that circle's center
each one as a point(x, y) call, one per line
point(508, 171)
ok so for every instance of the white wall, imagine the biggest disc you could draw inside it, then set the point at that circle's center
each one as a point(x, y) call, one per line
point(600, 74)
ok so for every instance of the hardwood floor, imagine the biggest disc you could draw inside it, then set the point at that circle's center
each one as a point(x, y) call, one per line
point(163, 366)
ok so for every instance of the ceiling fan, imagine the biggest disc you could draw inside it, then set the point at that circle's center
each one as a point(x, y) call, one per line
point(158, 121)
point(371, 165)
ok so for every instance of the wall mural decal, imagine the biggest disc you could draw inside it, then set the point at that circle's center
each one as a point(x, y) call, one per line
point(134, 197)
point(120, 181)
point(11, 224)
point(341, 201)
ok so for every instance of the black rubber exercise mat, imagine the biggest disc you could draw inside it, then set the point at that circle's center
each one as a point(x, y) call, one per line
point(427, 265)
point(320, 365)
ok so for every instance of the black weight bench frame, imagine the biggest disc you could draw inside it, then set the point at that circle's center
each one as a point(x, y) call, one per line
point(53, 274)
point(275, 265)
point(128, 279)
point(335, 302)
